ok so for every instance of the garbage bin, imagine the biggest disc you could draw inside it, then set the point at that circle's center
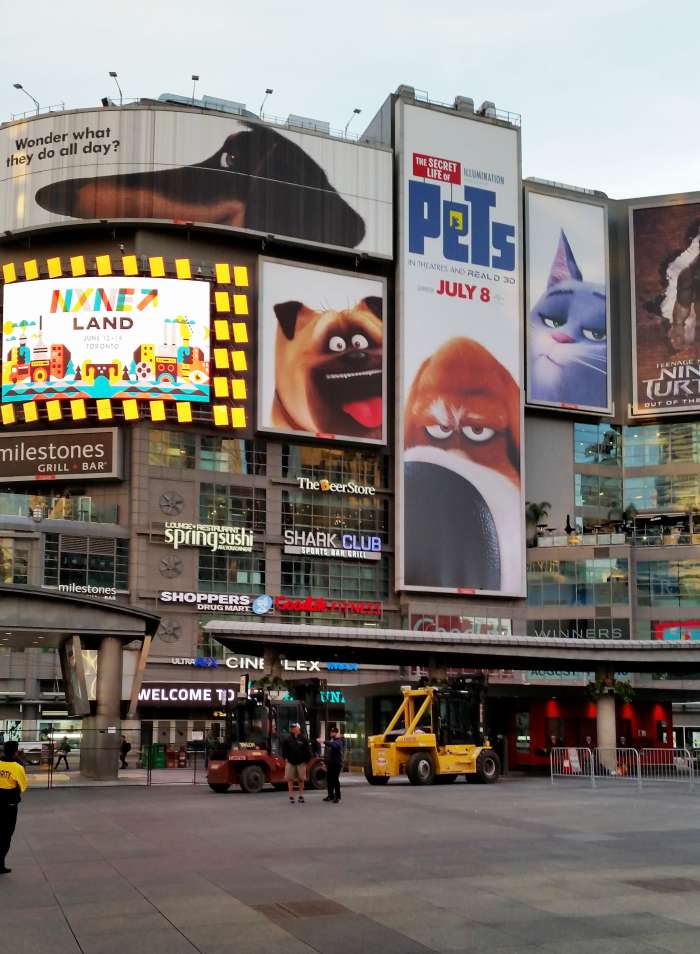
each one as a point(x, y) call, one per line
point(171, 757)
point(157, 756)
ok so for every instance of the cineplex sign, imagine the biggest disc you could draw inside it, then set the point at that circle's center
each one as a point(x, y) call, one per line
point(48, 455)
point(263, 604)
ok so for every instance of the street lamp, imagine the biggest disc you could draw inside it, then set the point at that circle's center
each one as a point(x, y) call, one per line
point(114, 77)
point(268, 92)
point(355, 112)
point(195, 80)
point(27, 93)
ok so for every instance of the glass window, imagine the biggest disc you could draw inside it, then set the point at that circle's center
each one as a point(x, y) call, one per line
point(653, 445)
point(14, 561)
point(232, 506)
point(597, 444)
point(231, 572)
point(232, 456)
point(338, 579)
point(336, 512)
point(86, 561)
point(171, 449)
point(580, 582)
point(334, 463)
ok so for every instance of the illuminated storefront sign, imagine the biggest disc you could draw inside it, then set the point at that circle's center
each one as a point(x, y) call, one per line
point(48, 455)
point(258, 663)
point(324, 543)
point(210, 602)
point(328, 486)
point(320, 604)
point(214, 538)
point(185, 694)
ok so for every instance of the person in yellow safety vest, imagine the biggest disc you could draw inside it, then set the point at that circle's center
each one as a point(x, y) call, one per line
point(13, 782)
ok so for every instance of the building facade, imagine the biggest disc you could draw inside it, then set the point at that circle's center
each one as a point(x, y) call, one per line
point(213, 470)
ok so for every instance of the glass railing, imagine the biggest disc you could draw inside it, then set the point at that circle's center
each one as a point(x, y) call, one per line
point(39, 507)
point(660, 538)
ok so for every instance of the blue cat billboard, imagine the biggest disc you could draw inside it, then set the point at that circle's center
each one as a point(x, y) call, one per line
point(459, 480)
point(568, 323)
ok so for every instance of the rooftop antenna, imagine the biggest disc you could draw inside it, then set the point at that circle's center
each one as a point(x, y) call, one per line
point(27, 93)
point(114, 77)
point(195, 80)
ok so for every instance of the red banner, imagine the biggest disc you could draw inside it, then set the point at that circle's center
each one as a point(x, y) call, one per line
point(436, 169)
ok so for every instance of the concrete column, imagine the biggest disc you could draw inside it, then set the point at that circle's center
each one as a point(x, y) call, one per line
point(273, 664)
point(606, 724)
point(99, 749)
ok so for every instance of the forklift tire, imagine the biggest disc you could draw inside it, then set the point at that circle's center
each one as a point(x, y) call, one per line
point(374, 779)
point(488, 767)
point(318, 776)
point(219, 787)
point(252, 779)
point(421, 769)
point(445, 779)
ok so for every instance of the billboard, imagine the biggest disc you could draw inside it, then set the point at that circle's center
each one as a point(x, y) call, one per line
point(99, 338)
point(568, 325)
point(665, 267)
point(322, 358)
point(459, 419)
point(168, 164)
point(53, 455)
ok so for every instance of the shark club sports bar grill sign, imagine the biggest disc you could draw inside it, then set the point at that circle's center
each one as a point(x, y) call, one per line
point(323, 543)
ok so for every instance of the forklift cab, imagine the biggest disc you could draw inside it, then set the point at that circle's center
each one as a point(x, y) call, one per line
point(458, 718)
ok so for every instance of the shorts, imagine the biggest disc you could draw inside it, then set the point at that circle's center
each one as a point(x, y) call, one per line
point(295, 773)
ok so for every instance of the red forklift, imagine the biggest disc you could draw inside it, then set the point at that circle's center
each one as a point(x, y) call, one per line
point(251, 754)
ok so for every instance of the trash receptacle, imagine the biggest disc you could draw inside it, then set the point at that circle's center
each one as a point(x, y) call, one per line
point(171, 757)
point(157, 756)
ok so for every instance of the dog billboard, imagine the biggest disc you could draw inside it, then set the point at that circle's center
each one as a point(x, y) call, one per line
point(568, 324)
point(322, 357)
point(665, 268)
point(460, 522)
point(106, 337)
point(156, 161)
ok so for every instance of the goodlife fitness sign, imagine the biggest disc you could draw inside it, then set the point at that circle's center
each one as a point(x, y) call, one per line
point(51, 455)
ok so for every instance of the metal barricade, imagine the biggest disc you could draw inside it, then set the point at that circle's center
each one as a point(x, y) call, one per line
point(617, 764)
point(662, 765)
point(572, 762)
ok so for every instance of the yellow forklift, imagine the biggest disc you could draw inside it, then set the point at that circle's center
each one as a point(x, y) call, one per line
point(435, 735)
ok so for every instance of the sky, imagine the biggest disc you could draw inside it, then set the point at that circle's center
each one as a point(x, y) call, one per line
point(607, 89)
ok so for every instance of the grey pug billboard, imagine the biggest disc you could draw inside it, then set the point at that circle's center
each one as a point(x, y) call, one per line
point(157, 162)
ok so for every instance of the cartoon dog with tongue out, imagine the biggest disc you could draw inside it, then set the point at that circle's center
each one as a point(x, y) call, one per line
point(329, 370)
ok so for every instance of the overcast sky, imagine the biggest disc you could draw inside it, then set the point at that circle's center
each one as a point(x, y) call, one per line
point(607, 89)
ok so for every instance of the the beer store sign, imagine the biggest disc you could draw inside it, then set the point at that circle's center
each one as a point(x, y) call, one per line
point(214, 538)
point(329, 487)
point(52, 455)
point(185, 694)
point(323, 543)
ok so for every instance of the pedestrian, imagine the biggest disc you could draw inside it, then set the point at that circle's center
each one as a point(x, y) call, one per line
point(13, 782)
point(63, 750)
point(124, 749)
point(297, 753)
point(334, 756)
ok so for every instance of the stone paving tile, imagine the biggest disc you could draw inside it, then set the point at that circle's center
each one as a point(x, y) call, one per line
point(350, 934)
point(607, 945)
point(133, 942)
point(106, 908)
point(183, 912)
point(683, 942)
point(257, 933)
point(555, 929)
point(643, 924)
point(445, 932)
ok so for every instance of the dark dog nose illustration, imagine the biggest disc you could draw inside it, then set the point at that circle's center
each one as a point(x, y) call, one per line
point(450, 534)
point(258, 179)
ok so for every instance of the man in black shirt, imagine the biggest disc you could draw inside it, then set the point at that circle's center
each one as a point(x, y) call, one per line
point(334, 755)
point(297, 752)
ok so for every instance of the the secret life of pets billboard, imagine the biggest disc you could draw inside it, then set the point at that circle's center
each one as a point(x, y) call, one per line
point(665, 268)
point(568, 319)
point(460, 509)
point(164, 163)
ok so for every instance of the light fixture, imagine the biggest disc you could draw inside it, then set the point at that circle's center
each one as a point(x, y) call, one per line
point(114, 77)
point(268, 92)
point(355, 112)
point(195, 80)
point(27, 93)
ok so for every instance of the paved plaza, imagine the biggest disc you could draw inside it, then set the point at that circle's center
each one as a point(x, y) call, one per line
point(517, 867)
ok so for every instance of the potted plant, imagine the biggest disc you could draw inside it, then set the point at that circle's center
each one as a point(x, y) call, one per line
point(535, 515)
